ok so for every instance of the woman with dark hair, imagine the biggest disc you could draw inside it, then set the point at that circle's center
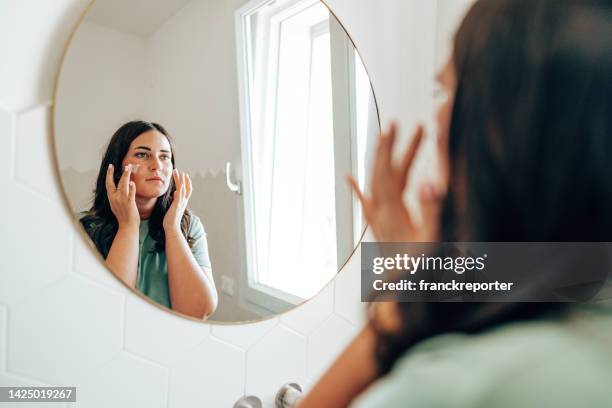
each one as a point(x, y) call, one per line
point(525, 140)
point(140, 223)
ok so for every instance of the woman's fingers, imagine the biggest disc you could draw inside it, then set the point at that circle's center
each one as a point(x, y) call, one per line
point(177, 182)
point(410, 154)
point(110, 182)
point(384, 153)
point(430, 202)
point(355, 186)
point(392, 135)
point(365, 205)
point(387, 143)
point(125, 180)
point(189, 187)
point(132, 191)
point(183, 185)
point(180, 184)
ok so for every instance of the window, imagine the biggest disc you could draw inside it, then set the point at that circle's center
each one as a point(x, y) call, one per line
point(296, 88)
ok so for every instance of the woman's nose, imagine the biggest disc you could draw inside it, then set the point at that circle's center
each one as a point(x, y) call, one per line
point(155, 163)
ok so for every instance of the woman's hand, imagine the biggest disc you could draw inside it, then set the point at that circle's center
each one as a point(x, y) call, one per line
point(352, 372)
point(172, 219)
point(385, 211)
point(122, 197)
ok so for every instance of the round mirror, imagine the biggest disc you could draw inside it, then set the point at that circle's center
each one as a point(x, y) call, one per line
point(203, 147)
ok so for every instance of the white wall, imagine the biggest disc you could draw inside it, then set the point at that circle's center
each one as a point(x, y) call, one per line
point(65, 320)
point(198, 98)
point(102, 87)
point(102, 80)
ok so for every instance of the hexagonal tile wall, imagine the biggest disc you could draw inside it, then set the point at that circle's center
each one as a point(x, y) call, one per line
point(321, 351)
point(11, 380)
point(36, 31)
point(347, 300)
point(64, 331)
point(36, 250)
point(278, 358)
point(243, 335)
point(305, 318)
point(86, 263)
point(7, 132)
point(125, 382)
point(33, 154)
point(211, 375)
point(3, 336)
point(159, 335)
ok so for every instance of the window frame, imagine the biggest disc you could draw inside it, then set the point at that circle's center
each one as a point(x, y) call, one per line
point(264, 297)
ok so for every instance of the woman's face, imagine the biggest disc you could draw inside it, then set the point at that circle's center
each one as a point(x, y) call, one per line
point(151, 158)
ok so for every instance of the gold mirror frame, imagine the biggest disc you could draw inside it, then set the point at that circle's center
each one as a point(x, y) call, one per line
point(82, 233)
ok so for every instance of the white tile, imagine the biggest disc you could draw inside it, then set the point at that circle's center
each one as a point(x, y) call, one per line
point(33, 153)
point(124, 382)
point(243, 335)
point(347, 302)
point(278, 358)
point(326, 344)
point(10, 380)
point(7, 139)
point(158, 334)
point(3, 336)
point(34, 35)
point(64, 331)
point(212, 375)
point(89, 263)
point(36, 244)
point(306, 317)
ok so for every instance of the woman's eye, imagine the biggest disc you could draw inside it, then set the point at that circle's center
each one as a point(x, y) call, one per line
point(165, 157)
point(140, 155)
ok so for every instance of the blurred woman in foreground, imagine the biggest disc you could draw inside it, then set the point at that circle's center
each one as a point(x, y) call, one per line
point(525, 140)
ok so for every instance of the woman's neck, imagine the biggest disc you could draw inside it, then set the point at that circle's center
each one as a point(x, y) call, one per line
point(145, 206)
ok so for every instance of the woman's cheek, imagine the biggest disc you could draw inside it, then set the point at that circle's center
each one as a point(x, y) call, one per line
point(134, 178)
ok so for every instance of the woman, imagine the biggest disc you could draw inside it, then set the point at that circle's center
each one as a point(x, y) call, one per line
point(525, 138)
point(140, 223)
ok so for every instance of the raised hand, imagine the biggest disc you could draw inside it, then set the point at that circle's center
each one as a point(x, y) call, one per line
point(385, 211)
point(172, 219)
point(122, 197)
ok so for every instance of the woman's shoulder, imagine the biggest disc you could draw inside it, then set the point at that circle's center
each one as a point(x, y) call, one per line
point(196, 227)
point(535, 363)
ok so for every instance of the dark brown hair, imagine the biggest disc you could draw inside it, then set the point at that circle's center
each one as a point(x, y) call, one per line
point(100, 222)
point(531, 135)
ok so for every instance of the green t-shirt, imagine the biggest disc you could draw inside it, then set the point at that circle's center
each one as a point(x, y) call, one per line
point(152, 278)
point(540, 363)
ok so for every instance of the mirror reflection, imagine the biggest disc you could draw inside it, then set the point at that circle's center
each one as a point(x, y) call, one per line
point(203, 147)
